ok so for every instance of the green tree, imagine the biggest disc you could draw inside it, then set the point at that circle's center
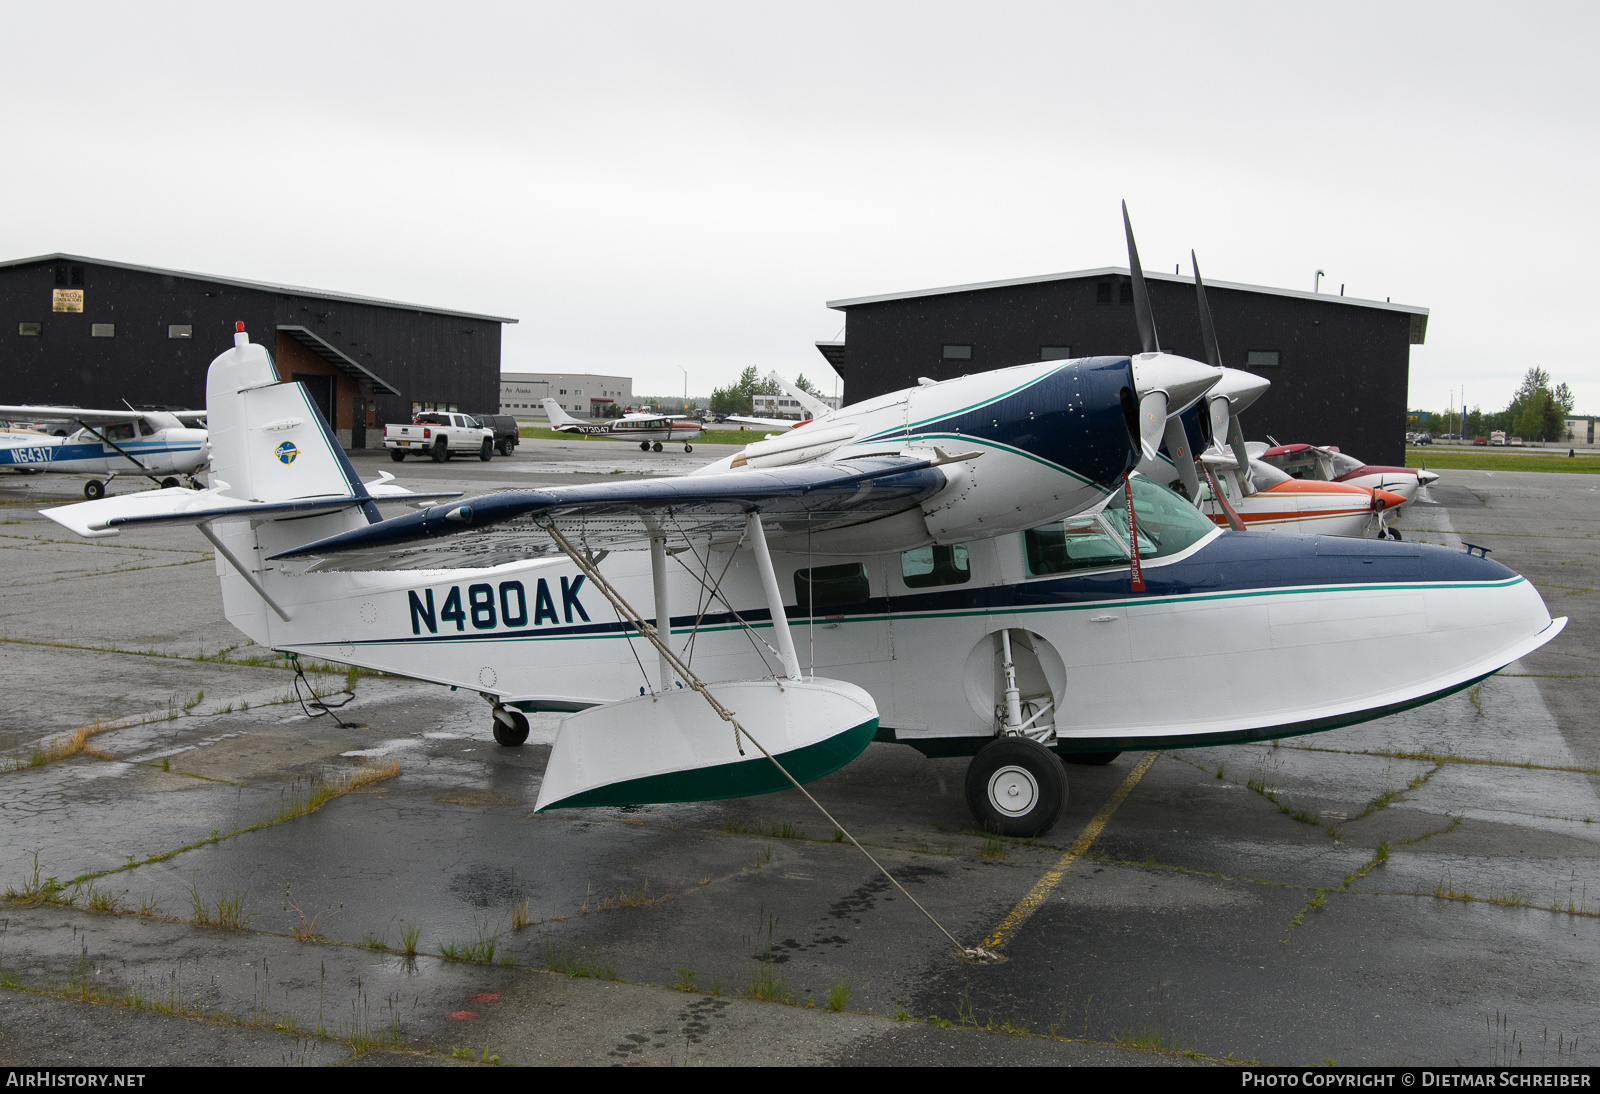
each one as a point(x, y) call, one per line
point(1565, 397)
point(805, 385)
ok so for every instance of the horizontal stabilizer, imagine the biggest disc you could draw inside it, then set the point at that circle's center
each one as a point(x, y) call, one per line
point(674, 748)
point(506, 526)
point(177, 505)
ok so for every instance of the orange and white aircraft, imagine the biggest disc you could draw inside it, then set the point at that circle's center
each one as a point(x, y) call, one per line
point(1327, 464)
point(1278, 503)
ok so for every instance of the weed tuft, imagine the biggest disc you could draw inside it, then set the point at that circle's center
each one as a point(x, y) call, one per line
point(994, 847)
point(838, 995)
point(408, 941)
point(686, 980)
point(306, 929)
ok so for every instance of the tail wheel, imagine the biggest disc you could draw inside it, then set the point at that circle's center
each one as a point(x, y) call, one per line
point(398, 455)
point(441, 451)
point(486, 451)
point(1016, 787)
point(510, 727)
point(94, 489)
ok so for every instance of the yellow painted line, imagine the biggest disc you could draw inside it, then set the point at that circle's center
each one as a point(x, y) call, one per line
point(1042, 888)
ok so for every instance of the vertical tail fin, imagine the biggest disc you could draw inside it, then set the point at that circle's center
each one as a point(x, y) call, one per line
point(269, 441)
point(559, 418)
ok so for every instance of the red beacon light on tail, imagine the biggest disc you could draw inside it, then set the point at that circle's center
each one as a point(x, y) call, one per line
point(240, 338)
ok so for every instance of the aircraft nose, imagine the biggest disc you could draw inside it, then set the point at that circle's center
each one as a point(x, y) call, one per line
point(1388, 499)
point(1242, 388)
point(1184, 380)
point(1427, 478)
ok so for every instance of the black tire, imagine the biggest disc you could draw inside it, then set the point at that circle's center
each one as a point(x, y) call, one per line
point(1015, 787)
point(510, 735)
point(398, 455)
point(657, 448)
point(94, 489)
point(644, 446)
point(169, 482)
point(1089, 759)
point(505, 448)
point(1394, 533)
point(486, 451)
point(441, 450)
point(690, 448)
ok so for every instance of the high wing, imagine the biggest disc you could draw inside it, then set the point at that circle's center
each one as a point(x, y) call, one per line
point(508, 526)
point(79, 414)
point(770, 423)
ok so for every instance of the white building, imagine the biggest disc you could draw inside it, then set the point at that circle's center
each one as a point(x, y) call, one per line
point(781, 406)
point(522, 394)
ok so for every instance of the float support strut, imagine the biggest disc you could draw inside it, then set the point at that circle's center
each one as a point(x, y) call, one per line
point(769, 582)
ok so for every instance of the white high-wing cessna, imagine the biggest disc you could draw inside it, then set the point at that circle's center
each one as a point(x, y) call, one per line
point(956, 567)
point(155, 443)
point(648, 429)
point(813, 406)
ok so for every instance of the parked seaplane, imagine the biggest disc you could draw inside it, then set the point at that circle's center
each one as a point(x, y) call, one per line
point(968, 567)
point(648, 429)
point(157, 444)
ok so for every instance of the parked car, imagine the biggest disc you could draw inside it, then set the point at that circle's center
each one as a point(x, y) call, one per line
point(504, 427)
point(439, 435)
point(1480, 440)
point(1424, 438)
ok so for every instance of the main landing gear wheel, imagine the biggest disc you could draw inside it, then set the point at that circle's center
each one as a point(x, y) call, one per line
point(487, 450)
point(441, 451)
point(1016, 787)
point(94, 489)
point(1394, 533)
point(169, 482)
point(398, 455)
point(644, 446)
point(510, 726)
point(1089, 759)
point(656, 447)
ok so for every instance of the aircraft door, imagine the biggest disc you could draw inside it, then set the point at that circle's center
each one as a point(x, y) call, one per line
point(843, 615)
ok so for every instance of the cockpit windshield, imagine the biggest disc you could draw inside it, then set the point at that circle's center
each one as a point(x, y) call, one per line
point(1167, 523)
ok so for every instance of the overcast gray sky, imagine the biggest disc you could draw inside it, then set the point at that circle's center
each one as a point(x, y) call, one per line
point(649, 186)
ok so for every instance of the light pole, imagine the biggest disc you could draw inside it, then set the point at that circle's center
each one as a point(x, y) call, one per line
point(1316, 282)
point(685, 372)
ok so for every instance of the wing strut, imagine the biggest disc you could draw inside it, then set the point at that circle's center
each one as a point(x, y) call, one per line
point(769, 582)
point(791, 663)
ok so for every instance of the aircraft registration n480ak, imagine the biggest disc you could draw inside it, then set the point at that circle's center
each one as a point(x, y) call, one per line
point(966, 567)
point(155, 443)
point(648, 429)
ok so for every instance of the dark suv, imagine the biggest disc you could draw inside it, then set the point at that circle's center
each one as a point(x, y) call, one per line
point(505, 431)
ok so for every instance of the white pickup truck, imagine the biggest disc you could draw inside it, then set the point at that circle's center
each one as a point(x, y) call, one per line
point(440, 435)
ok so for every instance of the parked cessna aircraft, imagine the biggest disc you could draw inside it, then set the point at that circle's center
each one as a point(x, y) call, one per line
point(968, 566)
point(813, 406)
point(644, 428)
point(1315, 463)
point(157, 444)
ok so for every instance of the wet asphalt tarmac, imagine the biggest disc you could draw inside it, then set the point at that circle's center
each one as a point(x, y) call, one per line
point(1413, 890)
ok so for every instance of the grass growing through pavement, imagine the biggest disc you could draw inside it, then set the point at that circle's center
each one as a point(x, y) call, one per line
point(62, 748)
point(299, 801)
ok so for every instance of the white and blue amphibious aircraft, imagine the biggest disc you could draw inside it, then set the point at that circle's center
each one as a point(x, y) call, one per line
point(967, 567)
point(157, 444)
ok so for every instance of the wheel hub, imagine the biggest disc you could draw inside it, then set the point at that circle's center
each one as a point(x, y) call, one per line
point(1013, 790)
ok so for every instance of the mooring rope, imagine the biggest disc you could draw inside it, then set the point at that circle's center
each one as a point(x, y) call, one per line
point(970, 953)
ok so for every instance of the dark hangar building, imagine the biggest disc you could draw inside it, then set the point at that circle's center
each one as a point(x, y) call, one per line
point(87, 332)
point(1339, 366)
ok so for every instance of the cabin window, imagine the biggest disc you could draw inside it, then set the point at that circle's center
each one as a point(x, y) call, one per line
point(1167, 523)
point(934, 565)
point(957, 353)
point(826, 586)
point(1079, 543)
point(1055, 353)
point(121, 431)
point(1261, 358)
point(146, 429)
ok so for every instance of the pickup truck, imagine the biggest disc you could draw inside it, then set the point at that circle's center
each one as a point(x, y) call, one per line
point(440, 435)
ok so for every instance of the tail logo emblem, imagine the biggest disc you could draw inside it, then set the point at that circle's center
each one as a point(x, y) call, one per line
point(286, 452)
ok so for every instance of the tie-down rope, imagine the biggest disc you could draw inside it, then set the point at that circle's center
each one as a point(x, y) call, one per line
point(592, 572)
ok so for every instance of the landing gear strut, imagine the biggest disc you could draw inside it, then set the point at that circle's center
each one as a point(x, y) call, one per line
point(510, 726)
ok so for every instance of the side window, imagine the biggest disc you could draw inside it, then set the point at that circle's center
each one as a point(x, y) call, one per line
point(826, 586)
point(927, 567)
point(1079, 543)
point(145, 428)
point(122, 431)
